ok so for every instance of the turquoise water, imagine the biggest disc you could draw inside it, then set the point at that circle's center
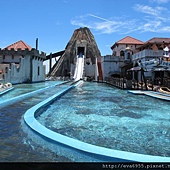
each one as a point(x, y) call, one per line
point(20, 89)
point(105, 116)
point(17, 142)
point(94, 113)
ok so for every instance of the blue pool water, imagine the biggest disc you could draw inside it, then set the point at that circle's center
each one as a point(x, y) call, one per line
point(17, 142)
point(95, 113)
point(105, 116)
point(20, 89)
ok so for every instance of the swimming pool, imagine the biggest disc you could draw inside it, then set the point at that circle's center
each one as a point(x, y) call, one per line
point(20, 89)
point(95, 113)
point(106, 116)
point(17, 142)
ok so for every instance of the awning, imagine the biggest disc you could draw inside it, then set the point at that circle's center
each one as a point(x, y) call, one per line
point(135, 69)
point(166, 49)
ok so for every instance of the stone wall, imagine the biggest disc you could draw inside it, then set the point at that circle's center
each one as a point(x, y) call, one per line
point(23, 65)
point(38, 70)
point(19, 74)
point(83, 41)
point(90, 70)
point(110, 65)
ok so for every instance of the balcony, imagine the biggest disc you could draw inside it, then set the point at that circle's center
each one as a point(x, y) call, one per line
point(109, 58)
point(147, 53)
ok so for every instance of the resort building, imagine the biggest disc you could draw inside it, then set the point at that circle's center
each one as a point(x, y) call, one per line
point(20, 63)
point(150, 57)
point(119, 62)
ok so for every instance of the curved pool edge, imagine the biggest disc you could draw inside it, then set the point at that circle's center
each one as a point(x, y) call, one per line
point(26, 95)
point(6, 91)
point(114, 155)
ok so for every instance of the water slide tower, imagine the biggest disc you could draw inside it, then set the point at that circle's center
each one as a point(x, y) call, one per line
point(81, 44)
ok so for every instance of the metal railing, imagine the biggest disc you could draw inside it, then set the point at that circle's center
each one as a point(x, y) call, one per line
point(133, 84)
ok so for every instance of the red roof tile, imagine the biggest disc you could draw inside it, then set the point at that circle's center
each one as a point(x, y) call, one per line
point(154, 40)
point(20, 44)
point(129, 40)
point(158, 40)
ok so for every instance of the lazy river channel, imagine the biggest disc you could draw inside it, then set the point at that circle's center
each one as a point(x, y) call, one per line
point(95, 113)
point(105, 116)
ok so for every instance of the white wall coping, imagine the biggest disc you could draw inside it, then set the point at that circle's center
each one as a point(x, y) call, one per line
point(13, 100)
point(116, 155)
point(6, 90)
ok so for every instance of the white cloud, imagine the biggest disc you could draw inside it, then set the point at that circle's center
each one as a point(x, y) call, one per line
point(95, 16)
point(159, 1)
point(152, 19)
point(79, 23)
point(149, 10)
point(103, 25)
point(155, 20)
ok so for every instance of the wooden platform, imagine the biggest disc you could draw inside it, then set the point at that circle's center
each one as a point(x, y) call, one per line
point(154, 94)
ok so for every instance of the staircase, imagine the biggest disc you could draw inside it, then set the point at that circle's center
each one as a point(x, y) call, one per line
point(56, 66)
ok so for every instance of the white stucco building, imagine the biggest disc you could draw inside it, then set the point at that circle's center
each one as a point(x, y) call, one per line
point(150, 54)
point(20, 63)
point(120, 60)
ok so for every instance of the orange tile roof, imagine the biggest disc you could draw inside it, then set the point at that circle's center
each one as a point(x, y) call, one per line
point(155, 40)
point(19, 44)
point(129, 40)
point(158, 40)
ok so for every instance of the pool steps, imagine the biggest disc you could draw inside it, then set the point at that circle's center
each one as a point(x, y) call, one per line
point(93, 150)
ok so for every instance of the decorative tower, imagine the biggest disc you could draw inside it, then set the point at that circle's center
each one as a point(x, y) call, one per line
point(83, 43)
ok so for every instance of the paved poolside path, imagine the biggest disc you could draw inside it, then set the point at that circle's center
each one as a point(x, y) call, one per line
point(157, 95)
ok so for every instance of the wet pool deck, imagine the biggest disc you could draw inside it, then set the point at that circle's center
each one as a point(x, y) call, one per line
point(153, 94)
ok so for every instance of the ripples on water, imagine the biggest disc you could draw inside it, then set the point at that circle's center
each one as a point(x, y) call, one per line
point(94, 113)
point(112, 118)
point(17, 142)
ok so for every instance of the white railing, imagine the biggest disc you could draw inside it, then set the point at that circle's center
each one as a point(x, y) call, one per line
point(147, 53)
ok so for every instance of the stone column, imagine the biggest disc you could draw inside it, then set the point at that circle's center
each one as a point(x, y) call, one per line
point(50, 63)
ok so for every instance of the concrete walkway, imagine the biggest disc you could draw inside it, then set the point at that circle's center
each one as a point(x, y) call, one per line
point(154, 94)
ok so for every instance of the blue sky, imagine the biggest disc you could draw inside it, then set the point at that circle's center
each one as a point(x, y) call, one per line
point(54, 21)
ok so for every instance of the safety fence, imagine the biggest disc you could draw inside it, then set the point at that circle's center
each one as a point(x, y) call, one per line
point(133, 84)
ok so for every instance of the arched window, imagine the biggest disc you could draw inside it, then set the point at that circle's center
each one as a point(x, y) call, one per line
point(128, 55)
point(122, 53)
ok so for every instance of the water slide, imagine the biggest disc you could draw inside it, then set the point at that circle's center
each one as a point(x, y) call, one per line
point(78, 74)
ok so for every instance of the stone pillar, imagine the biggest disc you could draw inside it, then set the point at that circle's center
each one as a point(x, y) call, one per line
point(125, 54)
point(50, 63)
point(36, 43)
point(96, 71)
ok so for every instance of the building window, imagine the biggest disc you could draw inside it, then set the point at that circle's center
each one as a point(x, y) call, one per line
point(128, 55)
point(122, 53)
point(3, 57)
point(38, 70)
point(12, 57)
point(6, 69)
